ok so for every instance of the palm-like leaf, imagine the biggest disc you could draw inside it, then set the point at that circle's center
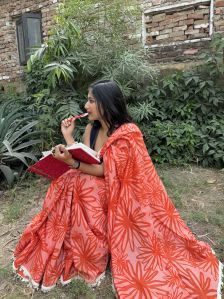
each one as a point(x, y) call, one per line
point(16, 138)
point(68, 108)
point(8, 173)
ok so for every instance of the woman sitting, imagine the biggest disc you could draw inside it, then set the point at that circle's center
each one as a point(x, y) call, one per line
point(120, 209)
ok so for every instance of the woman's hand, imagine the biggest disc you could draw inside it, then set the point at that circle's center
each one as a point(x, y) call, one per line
point(67, 129)
point(61, 153)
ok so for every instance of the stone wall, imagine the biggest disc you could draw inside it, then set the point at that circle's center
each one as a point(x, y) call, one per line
point(10, 11)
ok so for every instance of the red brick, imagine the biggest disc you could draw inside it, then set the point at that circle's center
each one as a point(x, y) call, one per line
point(155, 24)
point(179, 18)
point(196, 31)
point(181, 28)
point(196, 16)
point(199, 22)
point(219, 23)
point(177, 33)
point(168, 24)
point(159, 17)
point(219, 3)
point(179, 38)
point(165, 31)
point(186, 22)
point(190, 51)
point(162, 36)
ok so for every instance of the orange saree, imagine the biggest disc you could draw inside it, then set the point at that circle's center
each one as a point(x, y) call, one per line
point(128, 215)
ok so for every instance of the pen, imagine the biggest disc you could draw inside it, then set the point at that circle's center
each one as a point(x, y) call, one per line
point(79, 116)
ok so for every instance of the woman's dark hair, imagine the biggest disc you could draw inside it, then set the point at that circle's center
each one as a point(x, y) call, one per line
point(111, 104)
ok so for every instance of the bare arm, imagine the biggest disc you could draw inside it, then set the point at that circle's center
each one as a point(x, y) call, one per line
point(67, 129)
point(62, 154)
point(92, 169)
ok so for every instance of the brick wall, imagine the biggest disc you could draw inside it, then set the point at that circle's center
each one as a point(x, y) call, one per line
point(10, 11)
point(219, 16)
point(179, 31)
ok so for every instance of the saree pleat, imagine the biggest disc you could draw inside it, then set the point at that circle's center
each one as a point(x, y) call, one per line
point(127, 215)
point(68, 237)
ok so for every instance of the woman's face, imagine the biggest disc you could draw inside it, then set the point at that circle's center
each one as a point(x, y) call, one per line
point(92, 108)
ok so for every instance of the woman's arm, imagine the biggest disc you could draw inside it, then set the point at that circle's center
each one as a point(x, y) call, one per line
point(61, 153)
point(86, 135)
point(92, 169)
point(67, 129)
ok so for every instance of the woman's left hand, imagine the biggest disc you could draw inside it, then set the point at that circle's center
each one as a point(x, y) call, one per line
point(61, 153)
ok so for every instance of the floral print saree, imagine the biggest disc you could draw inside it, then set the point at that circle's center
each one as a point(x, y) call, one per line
point(126, 215)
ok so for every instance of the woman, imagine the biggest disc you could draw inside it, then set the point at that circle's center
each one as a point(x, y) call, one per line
point(118, 208)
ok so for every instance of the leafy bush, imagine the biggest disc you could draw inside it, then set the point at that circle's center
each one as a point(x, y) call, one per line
point(88, 43)
point(16, 139)
point(171, 142)
point(50, 108)
point(213, 66)
point(210, 148)
point(182, 114)
point(183, 117)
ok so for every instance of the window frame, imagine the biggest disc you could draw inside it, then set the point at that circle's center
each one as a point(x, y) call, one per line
point(25, 43)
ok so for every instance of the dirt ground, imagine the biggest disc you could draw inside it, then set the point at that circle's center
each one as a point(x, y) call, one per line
point(197, 193)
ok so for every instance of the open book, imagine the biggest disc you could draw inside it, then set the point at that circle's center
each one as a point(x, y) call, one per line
point(51, 168)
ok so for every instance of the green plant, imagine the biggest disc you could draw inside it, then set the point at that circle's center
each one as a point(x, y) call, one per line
point(199, 216)
point(79, 288)
point(214, 58)
point(181, 116)
point(50, 108)
point(14, 211)
point(5, 272)
point(210, 148)
point(90, 41)
point(16, 133)
point(171, 142)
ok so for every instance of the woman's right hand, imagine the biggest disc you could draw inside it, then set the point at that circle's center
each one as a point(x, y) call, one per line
point(67, 129)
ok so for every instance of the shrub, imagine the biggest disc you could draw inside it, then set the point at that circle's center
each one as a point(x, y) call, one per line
point(182, 114)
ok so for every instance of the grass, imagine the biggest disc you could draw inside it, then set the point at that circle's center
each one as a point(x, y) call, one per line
point(5, 272)
point(14, 211)
point(173, 190)
point(198, 217)
point(78, 288)
point(23, 196)
point(199, 202)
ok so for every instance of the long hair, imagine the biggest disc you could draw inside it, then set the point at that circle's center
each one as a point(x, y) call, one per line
point(110, 103)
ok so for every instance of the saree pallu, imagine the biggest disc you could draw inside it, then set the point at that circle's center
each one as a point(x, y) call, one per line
point(127, 215)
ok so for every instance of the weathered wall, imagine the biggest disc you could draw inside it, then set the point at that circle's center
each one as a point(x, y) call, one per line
point(10, 11)
point(178, 31)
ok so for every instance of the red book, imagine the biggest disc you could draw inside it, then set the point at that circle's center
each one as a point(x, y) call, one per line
point(51, 168)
